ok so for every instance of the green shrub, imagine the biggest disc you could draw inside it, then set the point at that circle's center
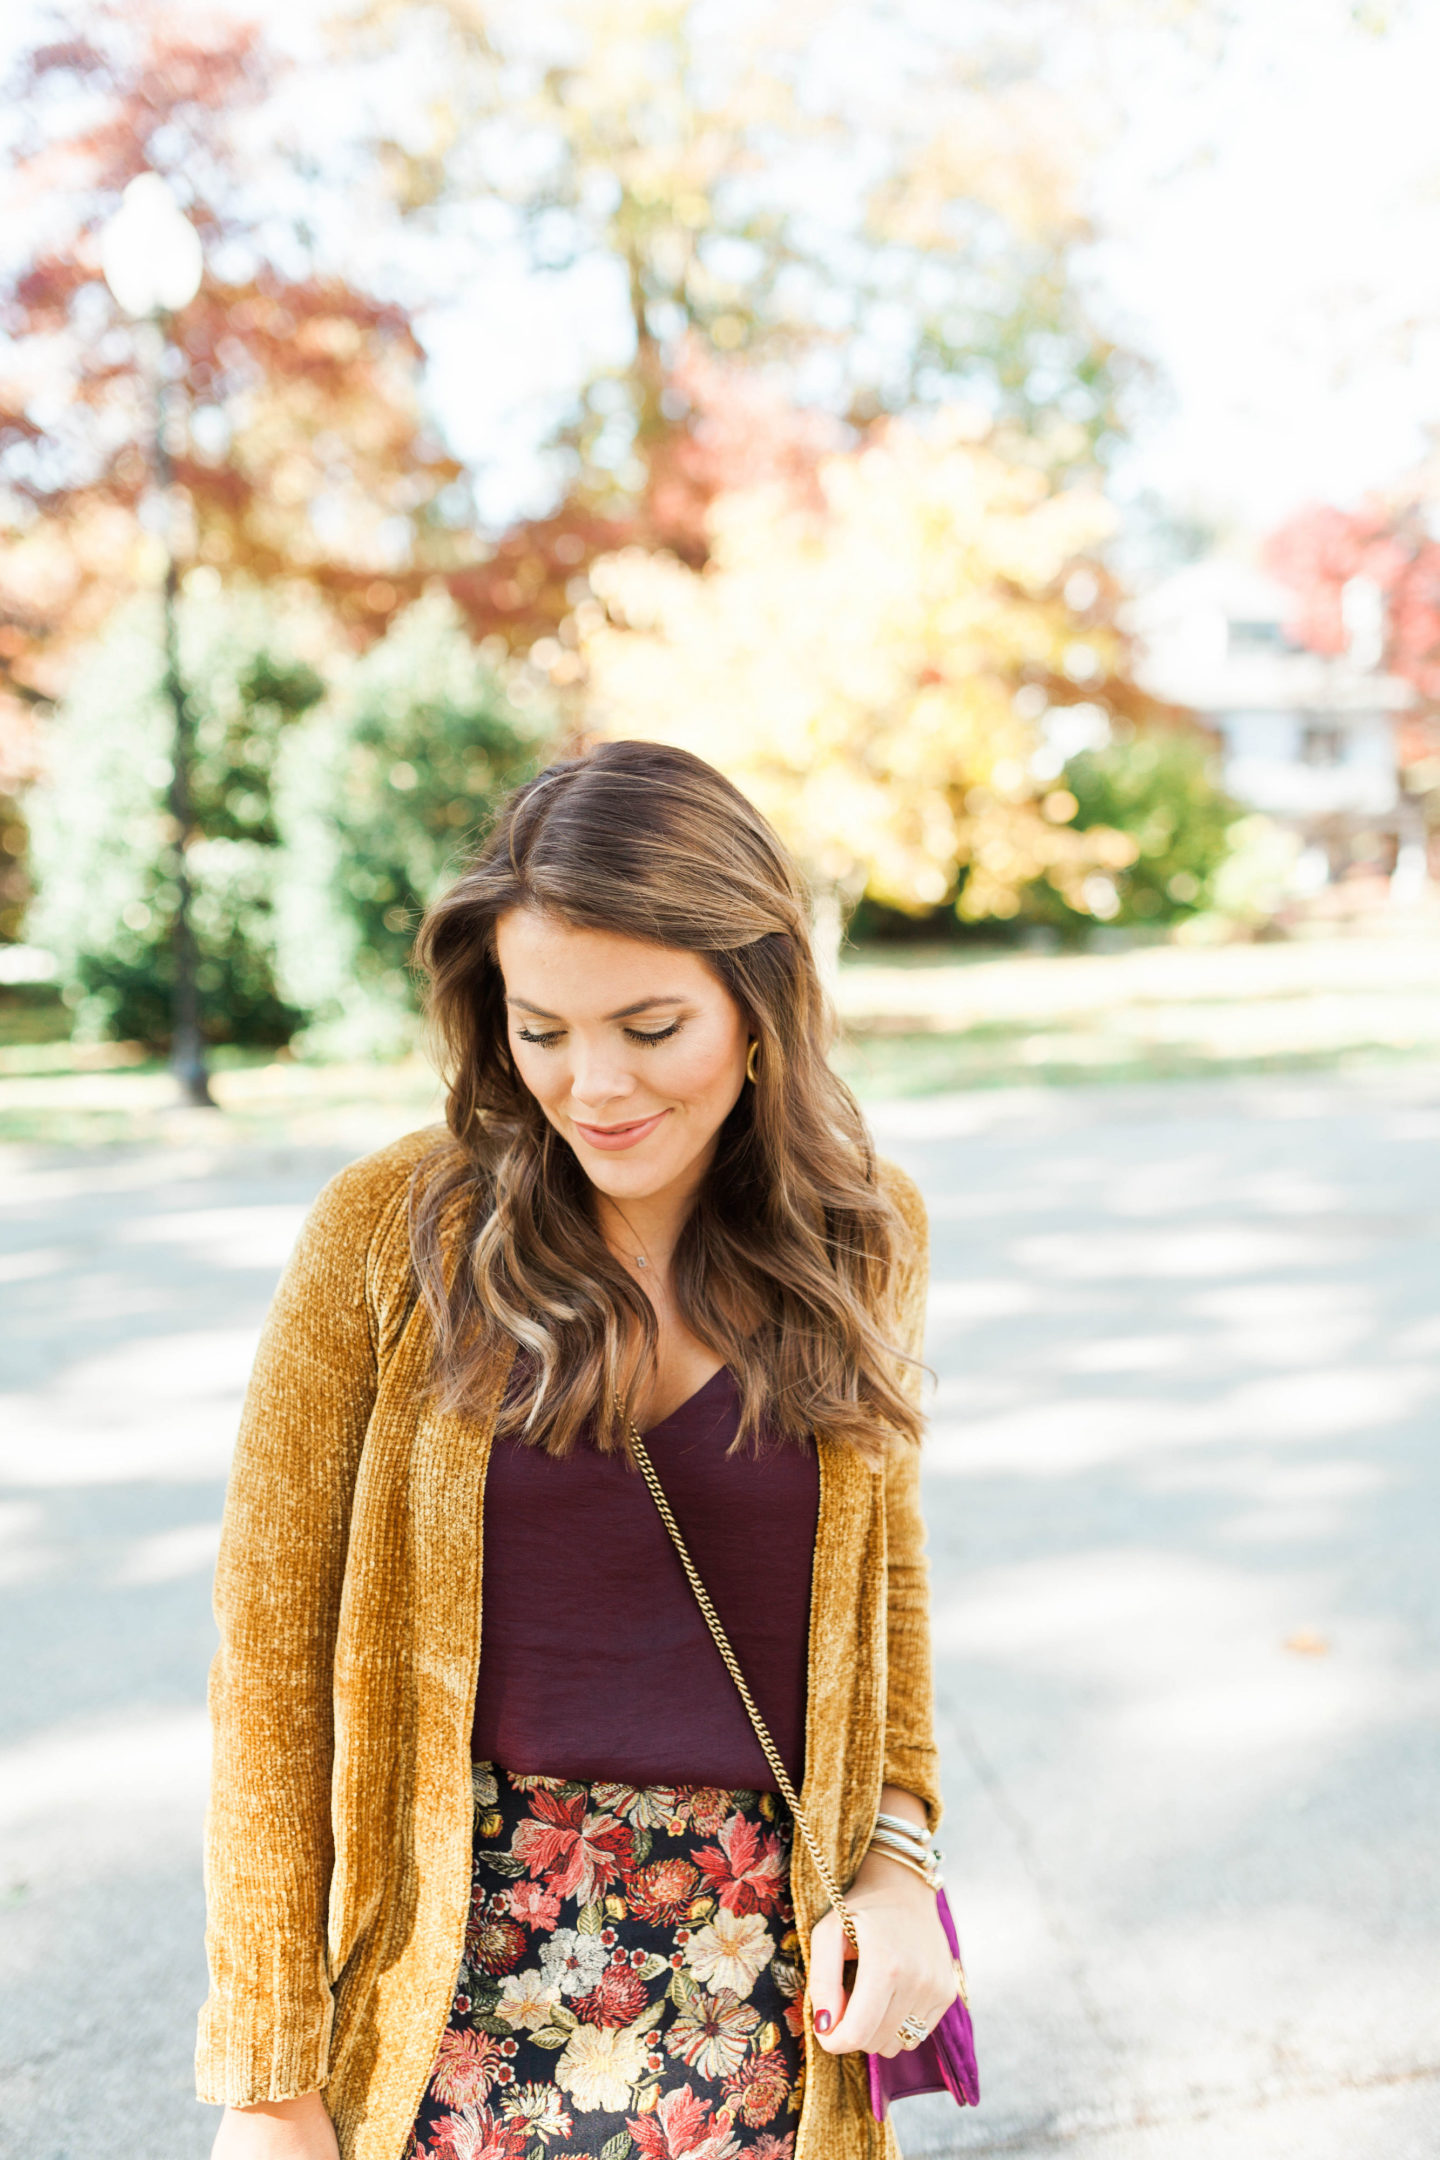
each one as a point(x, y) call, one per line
point(423, 738)
point(1163, 790)
point(329, 817)
point(104, 851)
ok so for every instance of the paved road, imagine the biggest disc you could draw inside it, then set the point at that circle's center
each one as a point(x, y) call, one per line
point(1183, 1494)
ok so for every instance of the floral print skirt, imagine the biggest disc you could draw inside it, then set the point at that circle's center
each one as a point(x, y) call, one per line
point(631, 1980)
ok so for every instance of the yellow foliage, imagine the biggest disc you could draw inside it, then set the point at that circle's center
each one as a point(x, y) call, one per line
point(854, 667)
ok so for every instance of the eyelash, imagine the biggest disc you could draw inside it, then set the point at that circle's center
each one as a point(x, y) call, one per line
point(635, 1035)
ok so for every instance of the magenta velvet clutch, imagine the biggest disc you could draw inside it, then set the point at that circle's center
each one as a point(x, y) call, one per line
point(945, 2062)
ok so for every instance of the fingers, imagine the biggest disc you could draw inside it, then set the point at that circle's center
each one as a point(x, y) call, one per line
point(899, 1976)
point(827, 1982)
point(888, 2039)
point(880, 2003)
point(870, 2021)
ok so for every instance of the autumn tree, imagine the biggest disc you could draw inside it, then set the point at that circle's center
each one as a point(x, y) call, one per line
point(302, 463)
point(874, 667)
point(295, 426)
point(875, 239)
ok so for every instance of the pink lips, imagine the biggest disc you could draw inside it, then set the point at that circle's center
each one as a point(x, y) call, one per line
point(613, 1138)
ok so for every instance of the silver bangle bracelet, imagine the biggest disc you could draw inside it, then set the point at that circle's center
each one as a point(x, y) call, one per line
point(906, 1841)
point(906, 1829)
point(897, 1837)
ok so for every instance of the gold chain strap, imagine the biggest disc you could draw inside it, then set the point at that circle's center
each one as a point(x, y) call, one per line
point(732, 1666)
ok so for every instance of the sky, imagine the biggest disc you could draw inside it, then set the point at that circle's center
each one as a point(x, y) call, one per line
point(1268, 236)
point(1273, 240)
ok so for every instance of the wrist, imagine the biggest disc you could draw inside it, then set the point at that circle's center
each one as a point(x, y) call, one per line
point(296, 2109)
point(890, 1878)
point(899, 1838)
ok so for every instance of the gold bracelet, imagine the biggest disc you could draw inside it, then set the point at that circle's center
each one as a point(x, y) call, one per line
point(928, 1876)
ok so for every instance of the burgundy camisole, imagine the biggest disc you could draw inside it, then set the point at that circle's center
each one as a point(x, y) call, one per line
point(595, 1662)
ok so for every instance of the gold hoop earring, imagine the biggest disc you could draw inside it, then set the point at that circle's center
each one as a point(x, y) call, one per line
point(753, 1059)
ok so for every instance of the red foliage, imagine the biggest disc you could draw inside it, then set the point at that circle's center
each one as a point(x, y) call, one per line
point(731, 430)
point(1318, 551)
point(518, 588)
point(311, 448)
point(727, 429)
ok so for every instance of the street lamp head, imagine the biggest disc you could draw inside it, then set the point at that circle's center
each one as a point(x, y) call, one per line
point(150, 251)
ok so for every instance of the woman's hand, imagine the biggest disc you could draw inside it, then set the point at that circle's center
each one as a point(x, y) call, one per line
point(277, 2130)
point(904, 1968)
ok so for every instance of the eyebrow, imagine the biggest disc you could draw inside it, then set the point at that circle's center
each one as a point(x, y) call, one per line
point(626, 1012)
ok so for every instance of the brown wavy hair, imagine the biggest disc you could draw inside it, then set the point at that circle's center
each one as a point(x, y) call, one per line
point(783, 1265)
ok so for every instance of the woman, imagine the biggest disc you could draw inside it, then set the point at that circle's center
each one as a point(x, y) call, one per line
point(497, 1869)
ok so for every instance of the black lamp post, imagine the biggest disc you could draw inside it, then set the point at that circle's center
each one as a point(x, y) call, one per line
point(152, 262)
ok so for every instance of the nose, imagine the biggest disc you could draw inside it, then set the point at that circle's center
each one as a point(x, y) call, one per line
point(599, 1075)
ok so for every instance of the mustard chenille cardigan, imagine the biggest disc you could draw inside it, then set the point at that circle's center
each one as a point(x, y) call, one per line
point(348, 1597)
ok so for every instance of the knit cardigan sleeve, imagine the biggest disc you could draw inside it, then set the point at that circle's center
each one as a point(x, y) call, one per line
point(911, 1758)
point(265, 2029)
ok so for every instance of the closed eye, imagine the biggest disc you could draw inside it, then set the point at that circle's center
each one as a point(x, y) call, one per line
point(639, 1035)
point(548, 1040)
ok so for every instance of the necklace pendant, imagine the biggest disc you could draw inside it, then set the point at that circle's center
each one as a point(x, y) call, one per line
point(640, 1260)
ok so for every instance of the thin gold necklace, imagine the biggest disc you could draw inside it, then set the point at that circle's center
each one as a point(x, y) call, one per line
point(641, 1258)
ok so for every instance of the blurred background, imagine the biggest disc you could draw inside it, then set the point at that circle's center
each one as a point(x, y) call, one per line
point(1004, 438)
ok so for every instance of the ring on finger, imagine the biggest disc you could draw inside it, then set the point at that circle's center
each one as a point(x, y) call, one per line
point(912, 2031)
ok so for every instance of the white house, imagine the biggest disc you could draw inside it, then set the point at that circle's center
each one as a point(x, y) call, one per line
point(1310, 739)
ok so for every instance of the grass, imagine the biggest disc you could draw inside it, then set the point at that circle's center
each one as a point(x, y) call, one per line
point(32, 1015)
point(915, 1023)
point(260, 1097)
point(884, 1067)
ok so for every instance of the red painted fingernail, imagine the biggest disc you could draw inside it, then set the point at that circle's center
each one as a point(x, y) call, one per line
point(823, 2021)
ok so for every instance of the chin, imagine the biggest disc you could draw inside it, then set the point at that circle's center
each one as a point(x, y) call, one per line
point(636, 1176)
point(630, 1181)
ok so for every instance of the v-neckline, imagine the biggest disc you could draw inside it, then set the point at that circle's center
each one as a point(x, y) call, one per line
point(721, 1372)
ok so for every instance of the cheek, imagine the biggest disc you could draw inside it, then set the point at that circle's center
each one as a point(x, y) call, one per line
point(541, 1071)
point(707, 1074)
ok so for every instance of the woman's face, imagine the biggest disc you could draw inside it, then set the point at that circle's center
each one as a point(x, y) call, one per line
point(635, 1052)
